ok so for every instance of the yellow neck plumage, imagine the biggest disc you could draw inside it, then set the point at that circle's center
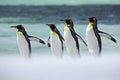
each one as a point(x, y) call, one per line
point(19, 33)
point(66, 27)
point(90, 25)
point(52, 32)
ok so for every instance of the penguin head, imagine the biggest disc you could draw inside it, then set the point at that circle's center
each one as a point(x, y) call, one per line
point(52, 26)
point(92, 19)
point(67, 21)
point(19, 27)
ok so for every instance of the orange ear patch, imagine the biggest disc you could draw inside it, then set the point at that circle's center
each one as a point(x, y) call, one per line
point(94, 19)
point(71, 21)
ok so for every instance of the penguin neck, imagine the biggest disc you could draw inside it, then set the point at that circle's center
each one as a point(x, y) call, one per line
point(52, 32)
point(90, 25)
point(95, 25)
point(22, 31)
point(19, 33)
point(68, 26)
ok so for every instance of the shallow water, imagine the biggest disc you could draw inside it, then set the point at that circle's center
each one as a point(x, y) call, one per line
point(9, 44)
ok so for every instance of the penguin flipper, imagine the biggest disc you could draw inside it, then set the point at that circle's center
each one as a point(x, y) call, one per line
point(103, 34)
point(79, 37)
point(32, 38)
point(48, 42)
point(59, 34)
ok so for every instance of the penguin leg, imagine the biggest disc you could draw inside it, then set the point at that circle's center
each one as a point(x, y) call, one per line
point(103, 34)
point(32, 38)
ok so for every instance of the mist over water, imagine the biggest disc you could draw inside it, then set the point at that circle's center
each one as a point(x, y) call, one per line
point(87, 67)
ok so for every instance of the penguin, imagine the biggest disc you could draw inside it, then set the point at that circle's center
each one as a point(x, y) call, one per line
point(23, 41)
point(93, 36)
point(55, 41)
point(71, 38)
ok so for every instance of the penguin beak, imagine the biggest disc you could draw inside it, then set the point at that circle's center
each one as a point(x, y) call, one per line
point(48, 24)
point(13, 27)
point(87, 19)
point(63, 20)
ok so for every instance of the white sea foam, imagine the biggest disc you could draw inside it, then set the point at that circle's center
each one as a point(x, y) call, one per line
point(46, 67)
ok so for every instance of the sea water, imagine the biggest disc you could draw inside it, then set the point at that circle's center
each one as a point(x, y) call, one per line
point(44, 65)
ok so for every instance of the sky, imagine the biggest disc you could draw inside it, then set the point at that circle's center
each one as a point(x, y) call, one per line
point(57, 2)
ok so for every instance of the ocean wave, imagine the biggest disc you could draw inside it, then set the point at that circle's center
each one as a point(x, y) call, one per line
point(108, 14)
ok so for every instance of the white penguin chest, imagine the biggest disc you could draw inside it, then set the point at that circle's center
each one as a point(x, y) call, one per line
point(90, 35)
point(91, 39)
point(55, 39)
point(22, 44)
point(68, 36)
point(70, 43)
point(56, 45)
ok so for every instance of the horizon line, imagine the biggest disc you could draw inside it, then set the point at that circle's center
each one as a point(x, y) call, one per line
point(52, 4)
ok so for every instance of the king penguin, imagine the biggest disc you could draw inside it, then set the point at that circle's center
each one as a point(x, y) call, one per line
point(55, 41)
point(71, 38)
point(93, 36)
point(23, 41)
